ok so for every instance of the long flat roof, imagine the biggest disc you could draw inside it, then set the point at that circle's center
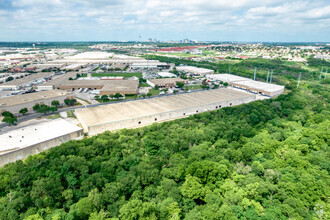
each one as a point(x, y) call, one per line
point(128, 110)
point(166, 80)
point(30, 97)
point(61, 79)
point(260, 85)
point(34, 134)
point(227, 77)
point(193, 69)
point(27, 79)
point(108, 85)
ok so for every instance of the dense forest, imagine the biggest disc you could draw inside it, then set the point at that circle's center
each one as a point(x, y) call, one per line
point(263, 160)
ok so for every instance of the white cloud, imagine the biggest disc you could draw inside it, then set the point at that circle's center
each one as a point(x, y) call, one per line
point(196, 17)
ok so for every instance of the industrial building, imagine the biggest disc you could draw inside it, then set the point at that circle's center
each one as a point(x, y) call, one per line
point(262, 88)
point(147, 111)
point(19, 143)
point(165, 82)
point(51, 84)
point(45, 66)
point(26, 81)
point(17, 102)
point(194, 71)
point(106, 87)
point(249, 85)
point(228, 78)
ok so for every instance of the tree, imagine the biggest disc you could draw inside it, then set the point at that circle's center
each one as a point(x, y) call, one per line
point(36, 107)
point(118, 95)
point(180, 84)
point(104, 98)
point(7, 114)
point(10, 120)
point(70, 102)
point(55, 103)
point(23, 111)
point(97, 97)
point(225, 84)
point(44, 109)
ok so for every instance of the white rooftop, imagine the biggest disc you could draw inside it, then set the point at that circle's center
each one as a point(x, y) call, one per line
point(194, 69)
point(166, 74)
point(91, 55)
point(260, 85)
point(34, 134)
point(226, 77)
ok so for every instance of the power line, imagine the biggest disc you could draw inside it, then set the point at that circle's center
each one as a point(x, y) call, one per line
point(321, 72)
point(299, 80)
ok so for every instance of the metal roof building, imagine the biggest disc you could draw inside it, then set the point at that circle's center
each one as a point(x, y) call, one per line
point(147, 111)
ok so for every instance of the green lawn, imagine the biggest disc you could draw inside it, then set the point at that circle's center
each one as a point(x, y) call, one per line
point(154, 92)
point(193, 87)
point(144, 85)
point(126, 75)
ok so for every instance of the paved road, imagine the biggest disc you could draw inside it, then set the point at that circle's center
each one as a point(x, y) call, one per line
point(31, 115)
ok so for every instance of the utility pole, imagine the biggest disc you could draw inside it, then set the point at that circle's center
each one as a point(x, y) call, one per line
point(326, 73)
point(267, 76)
point(299, 80)
point(255, 73)
point(321, 72)
point(271, 77)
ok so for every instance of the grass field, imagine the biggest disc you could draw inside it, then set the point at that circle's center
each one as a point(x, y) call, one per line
point(144, 85)
point(126, 75)
point(154, 92)
point(193, 87)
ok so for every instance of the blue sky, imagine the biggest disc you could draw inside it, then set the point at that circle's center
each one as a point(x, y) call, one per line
point(213, 20)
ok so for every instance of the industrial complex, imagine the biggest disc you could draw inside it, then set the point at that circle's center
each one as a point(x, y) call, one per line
point(143, 112)
point(84, 77)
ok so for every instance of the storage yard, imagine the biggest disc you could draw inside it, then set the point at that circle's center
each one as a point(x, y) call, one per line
point(144, 112)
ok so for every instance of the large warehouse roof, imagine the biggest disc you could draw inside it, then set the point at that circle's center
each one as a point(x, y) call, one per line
point(105, 85)
point(31, 97)
point(195, 70)
point(260, 85)
point(28, 79)
point(33, 134)
point(140, 108)
point(226, 78)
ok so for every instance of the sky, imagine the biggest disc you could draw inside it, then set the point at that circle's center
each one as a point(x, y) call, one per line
point(202, 20)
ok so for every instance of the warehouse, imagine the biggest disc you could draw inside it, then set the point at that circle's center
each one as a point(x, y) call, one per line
point(147, 111)
point(194, 71)
point(26, 81)
point(106, 87)
point(149, 65)
point(74, 67)
point(51, 84)
point(17, 102)
point(19, 143)
point(228, 78)
point(165, 82)
point(262, 88)
point(45, 66)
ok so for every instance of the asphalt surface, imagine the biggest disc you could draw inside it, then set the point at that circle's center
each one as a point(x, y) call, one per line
point(31, 115)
